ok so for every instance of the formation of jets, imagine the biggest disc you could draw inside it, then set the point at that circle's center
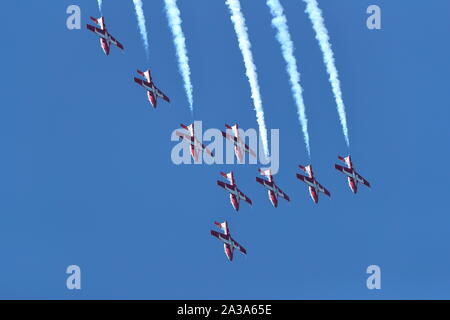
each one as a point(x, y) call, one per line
point(274, 192)
point(240, 148)
point(106, 39)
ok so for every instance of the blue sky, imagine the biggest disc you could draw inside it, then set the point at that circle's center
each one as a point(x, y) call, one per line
point(86, 176)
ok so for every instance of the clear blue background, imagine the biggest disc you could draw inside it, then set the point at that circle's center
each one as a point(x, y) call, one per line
point(86, 176)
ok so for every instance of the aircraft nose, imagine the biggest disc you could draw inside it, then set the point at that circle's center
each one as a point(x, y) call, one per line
point(230, 256)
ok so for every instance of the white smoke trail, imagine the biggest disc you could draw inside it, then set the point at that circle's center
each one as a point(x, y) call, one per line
point(250, 69)
point(173, 15)
point(315, 15)
point(287, 47)
point(99, 2)
point(141, 23)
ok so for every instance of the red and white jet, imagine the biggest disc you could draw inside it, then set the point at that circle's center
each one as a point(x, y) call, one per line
point(196, 145)
point(239, 146)
point(235, 193)
point(273, 190)
point(229, 244)
point(152, 91)
point(352, 176)
point(105, 38)
point(314, 186)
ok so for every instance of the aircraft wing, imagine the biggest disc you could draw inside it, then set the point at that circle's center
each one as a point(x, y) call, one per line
point(343, 169)
point(96, 30)
point(362, 180)
point(203, 147)
point(324, 190)
point(115, 42)
point(162, 95)
point(243, 196)
point(224, 185)
point(250, 151)
point(238, 140)
point(282, 194)
point(184, 136)
point(232, 138)
point(239, 247)
point(264, 182)
point(220, 236)
point(304, 178)
point(228, 136)
point(139, 81)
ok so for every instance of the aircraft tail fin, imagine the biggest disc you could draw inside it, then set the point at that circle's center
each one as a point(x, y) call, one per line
point(307, 169)
point(347, 160)
point(229, 176)
point(265, 172)
point(223, 226)
point(99, 21)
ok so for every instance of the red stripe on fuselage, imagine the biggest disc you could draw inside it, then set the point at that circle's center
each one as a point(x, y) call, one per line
point(104, 45)
point(234, 202)
point(313, 193)
point(352, 184)
point(228, 251)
